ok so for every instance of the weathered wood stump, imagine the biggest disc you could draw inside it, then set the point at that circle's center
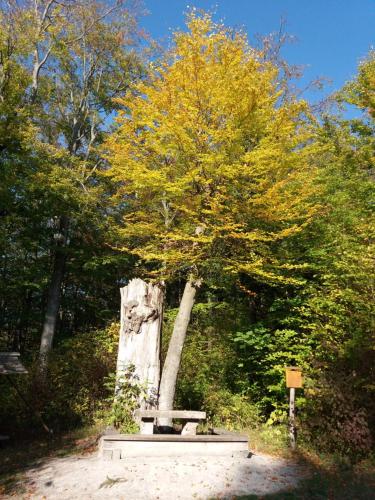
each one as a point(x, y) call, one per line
point(139, 344)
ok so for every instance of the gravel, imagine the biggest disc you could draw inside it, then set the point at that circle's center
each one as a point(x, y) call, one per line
point(91, 477)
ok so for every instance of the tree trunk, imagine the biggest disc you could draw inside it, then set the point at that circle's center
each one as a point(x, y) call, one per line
point(176, 343)
point(139, 344)
point(54, 295)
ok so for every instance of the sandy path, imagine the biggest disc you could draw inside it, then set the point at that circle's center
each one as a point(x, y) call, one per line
point(88, 476)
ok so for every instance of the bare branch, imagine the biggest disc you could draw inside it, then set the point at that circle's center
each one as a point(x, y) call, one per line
point(94, 22)
point(46, 10)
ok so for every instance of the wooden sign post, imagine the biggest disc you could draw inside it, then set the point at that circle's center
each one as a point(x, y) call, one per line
point(293, 382)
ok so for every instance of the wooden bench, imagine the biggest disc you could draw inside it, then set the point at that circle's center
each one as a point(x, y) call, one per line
point(192, 418)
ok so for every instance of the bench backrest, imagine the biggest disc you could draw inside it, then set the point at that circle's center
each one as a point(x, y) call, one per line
point(184, 414)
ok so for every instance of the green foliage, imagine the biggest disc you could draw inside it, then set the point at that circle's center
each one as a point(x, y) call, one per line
point(74, 392)
point(51, 122)
point(209, 378)
point(128, 393)
point(263, 354)
point(207, 358)
point(231, 411)
point(326, 326)
point(361, 91)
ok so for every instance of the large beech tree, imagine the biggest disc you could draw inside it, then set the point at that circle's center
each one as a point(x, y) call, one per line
point(211, 160)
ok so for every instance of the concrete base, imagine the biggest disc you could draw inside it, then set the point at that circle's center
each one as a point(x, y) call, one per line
point(122, 446)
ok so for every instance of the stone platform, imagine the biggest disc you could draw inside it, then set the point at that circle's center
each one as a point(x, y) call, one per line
point(122, 446)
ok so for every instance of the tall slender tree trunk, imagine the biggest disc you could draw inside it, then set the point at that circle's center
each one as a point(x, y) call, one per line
point(54, 294)
point(176, 343)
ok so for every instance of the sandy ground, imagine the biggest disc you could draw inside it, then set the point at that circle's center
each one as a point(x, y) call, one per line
point(91, 477)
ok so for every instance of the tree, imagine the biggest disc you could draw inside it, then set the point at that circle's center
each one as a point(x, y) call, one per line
point(360, 91)
point(338, 311)
point(212, 165)
point(18, 198)
point(79, 56)
point(327, 326)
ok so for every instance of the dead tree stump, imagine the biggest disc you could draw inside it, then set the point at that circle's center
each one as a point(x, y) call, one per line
point(139, 344)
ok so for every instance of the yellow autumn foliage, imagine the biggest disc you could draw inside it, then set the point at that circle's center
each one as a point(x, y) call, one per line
point(211, 158)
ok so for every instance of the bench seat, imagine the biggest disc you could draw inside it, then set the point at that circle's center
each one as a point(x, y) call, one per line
point(147, 418)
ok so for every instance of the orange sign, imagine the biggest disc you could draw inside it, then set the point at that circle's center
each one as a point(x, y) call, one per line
point(293, 377)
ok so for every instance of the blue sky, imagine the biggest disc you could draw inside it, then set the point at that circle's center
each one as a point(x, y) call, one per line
point(333, 35)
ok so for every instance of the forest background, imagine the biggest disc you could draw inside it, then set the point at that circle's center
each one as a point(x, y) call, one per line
point(233, 180)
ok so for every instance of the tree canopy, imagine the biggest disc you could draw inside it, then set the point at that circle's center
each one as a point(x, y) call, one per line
point(211, 159)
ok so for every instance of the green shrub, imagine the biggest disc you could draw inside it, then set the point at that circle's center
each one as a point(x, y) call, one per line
point(334, 421)
point(128, 393)
point(231, 411)
point(73, 392)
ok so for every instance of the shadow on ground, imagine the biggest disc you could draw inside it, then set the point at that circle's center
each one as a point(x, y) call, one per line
point(18, 456)
point(334, 482)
